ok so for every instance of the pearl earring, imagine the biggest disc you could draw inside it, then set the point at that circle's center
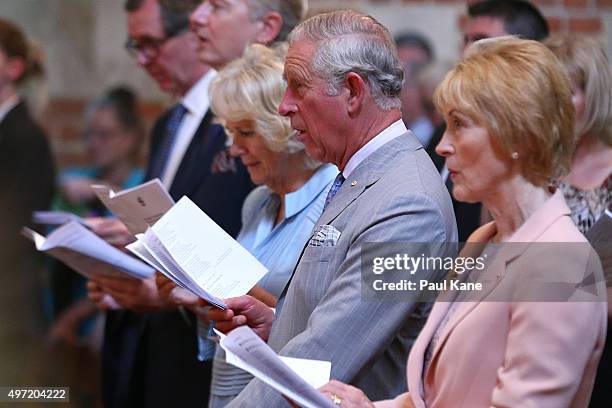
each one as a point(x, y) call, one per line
point(514, 155)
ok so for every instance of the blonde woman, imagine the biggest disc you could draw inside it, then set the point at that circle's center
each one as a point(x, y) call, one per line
point(510, 124)
point(278, 216)
point(588, 186)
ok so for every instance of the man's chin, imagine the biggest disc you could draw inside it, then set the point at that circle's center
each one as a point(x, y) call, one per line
point(211, 59)
point(167, 87)
point(315, 153)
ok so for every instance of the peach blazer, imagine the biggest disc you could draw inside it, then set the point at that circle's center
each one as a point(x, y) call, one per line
point(514, 354)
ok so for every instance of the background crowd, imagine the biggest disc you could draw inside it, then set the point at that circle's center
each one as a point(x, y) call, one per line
point(305, 136)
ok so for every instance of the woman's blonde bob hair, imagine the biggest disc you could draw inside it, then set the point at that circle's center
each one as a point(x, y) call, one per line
point(587, 64)
point(251, 88)
point(519, 91)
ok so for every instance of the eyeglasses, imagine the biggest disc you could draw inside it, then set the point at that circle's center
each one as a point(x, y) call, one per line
point(148, 47)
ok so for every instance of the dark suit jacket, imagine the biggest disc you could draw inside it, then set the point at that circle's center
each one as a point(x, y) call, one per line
point(150, 360)
point(26, 184)
point(468, 214)
point(27, 174)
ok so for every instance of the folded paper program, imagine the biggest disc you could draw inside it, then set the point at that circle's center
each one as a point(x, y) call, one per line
point(138, 207)
point(194, 252)
point(87, 253)
point(295, 378)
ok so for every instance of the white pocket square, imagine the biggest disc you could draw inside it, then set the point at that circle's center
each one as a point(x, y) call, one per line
point(324, 235)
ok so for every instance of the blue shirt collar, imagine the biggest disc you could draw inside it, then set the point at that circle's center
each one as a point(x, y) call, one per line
point(299, 199)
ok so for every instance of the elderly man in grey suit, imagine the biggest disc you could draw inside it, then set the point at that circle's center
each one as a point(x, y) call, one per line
point(344, 82)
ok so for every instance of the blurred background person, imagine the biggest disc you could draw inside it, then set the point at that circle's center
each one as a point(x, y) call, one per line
point(488, 19)
point(415, 53)
point(278, 216)
point(427, 81)
point(588, 186)
point(26, 184)
point(496, 18)
point(468, 215)
point(260, 21)
point(507, 352)
point(113, 138)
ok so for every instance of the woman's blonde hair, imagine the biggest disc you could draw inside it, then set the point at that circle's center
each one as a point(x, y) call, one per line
point(252, 88)
point(588, 65)
point(519, 91)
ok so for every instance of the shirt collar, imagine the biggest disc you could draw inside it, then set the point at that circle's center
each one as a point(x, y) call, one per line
point(196, 100)
point(299, 199)
point(392, 131)
point(9, 104)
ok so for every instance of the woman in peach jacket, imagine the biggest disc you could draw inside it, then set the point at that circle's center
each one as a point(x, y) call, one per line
point(534, 335)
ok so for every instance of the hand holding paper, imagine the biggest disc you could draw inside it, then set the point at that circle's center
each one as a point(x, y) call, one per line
point(172, 293)
point(350, 397)
point(111, 230)
point(87, 253)
point(101, 299)
point(139, 295)
point(244, 310)
point(295, 378)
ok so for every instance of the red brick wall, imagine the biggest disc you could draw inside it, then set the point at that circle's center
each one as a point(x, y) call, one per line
point(563, 15)
point(63, 122)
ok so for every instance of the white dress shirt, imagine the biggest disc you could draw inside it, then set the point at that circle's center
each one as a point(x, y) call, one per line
point(7, 105)
point(394, 130)
point(196, 102)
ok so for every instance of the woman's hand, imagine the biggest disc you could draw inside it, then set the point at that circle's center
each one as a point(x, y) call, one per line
point(346, 396)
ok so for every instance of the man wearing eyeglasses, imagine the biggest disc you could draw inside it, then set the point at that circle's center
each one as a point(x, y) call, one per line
point(150, 353)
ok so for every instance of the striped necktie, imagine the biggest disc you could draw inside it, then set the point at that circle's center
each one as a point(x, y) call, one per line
point(334, 188)
point(163, 154)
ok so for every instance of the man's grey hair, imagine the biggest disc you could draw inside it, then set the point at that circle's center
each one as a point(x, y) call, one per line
point(291, 11)
point(174, 13)
point(349, 41)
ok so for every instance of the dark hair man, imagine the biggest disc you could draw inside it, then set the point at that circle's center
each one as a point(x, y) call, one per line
point(495, 18)
point(150, 358)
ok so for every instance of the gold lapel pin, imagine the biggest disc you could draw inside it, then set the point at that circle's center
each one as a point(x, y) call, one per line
point(353, 183)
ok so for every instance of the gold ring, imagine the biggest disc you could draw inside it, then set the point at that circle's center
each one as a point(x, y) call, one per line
point(336, 400)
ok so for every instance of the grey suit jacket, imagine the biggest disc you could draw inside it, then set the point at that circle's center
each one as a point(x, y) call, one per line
point(395, 195)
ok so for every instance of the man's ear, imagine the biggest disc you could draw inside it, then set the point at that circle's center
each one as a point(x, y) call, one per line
point(272, 23)
point(357, 89)
point(15, 68)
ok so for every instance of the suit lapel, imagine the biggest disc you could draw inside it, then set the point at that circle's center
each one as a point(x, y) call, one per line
point(528, 233)
point(365, 174)
point(417, 353)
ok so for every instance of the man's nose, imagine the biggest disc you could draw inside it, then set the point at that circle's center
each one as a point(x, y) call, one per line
point(199, 16)
point(287, 105)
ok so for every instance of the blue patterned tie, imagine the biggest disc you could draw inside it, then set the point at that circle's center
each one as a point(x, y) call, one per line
point(163, 154)
point(334, 188)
